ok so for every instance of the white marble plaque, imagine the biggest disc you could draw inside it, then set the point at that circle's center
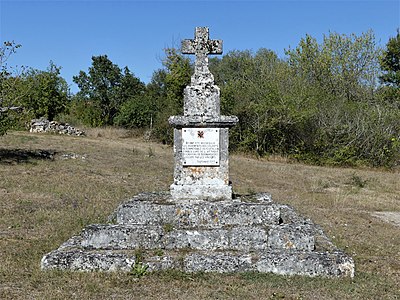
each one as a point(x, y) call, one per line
point(200, 146)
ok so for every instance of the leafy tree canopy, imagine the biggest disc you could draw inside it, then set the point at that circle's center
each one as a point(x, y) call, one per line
point(8, 80)
point(45, 93)
point(345, 66)
point(390, 62)
point(107, 86)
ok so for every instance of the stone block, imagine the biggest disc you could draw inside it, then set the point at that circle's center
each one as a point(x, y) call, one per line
point(162, 262)
point(145, 213)
point(292, 236)
point(122, 237)
point(201, 191)
point(77, 260)
point(217, 239)
point(334, 264)
point(248, 238)
point(217, 262)
point(143, 210)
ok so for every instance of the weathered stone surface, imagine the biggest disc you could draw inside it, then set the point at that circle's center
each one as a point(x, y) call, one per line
point(292, 236)
point(211, 192)
point(78, 260)
point(118, 237)
point(217, 262)
point(217, 239)
point(246, 234)
point(242, 238)
point(248, 238)
point(144, 210)
point(201, 111)
point(333, 264)
point(43, 125)
point(163, 262)
point(203, 121)
point(122, 237)
point(202, 100)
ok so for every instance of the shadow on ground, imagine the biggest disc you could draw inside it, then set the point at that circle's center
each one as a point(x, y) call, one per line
point(16, 156)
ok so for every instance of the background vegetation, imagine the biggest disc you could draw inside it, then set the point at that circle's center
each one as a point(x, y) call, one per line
point(336, 102)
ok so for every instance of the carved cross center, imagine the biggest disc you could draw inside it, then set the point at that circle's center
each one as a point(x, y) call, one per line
point(201, 46)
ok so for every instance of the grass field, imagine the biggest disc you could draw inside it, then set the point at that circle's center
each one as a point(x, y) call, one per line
point(43, 202)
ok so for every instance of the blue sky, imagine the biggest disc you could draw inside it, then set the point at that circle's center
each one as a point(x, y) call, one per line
point(134, 33)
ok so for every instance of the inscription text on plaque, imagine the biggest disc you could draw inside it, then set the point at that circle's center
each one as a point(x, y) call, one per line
point(200, 146)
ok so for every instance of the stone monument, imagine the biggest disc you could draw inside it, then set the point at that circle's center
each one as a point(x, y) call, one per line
point(198, 226)
point(201, 134)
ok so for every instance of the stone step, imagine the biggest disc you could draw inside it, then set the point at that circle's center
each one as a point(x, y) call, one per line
point(247, 234)
point(145, 210)
point(243, 238)
point(284, 262)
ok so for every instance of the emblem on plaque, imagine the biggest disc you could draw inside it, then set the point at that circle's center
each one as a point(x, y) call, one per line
point(200, 134)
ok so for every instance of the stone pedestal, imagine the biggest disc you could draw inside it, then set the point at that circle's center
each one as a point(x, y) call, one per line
point(202, 178)
point(201, 135)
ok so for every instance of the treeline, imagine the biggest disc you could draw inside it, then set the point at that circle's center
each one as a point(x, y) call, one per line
point(336, 102)
point(323, 104)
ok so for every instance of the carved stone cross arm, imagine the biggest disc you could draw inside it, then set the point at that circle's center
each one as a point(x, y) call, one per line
point(202, 46)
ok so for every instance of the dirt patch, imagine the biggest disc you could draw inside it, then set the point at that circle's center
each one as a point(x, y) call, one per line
point(391, 217)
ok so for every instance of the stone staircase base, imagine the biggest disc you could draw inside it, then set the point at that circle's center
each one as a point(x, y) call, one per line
point(247, 234)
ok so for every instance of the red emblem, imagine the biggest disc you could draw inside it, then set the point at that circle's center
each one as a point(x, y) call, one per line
point(200, 134)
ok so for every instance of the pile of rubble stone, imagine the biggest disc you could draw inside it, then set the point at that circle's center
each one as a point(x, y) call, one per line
point(43, 125)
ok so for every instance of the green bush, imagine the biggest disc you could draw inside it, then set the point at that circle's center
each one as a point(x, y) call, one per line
point(135, 113)
point(86, 113)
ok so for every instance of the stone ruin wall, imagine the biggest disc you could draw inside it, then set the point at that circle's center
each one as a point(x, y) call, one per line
point(43, 125)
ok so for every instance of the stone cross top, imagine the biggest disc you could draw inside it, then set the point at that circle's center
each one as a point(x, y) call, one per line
point(201, 46)
point(201, 134)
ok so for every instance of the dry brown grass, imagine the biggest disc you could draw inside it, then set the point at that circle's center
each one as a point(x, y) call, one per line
point(44, 202)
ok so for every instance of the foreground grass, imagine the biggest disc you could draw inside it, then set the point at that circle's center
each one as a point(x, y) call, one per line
point(44, 202)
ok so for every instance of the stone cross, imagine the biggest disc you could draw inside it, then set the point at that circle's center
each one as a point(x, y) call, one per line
point(201, 46)
point(201, 134)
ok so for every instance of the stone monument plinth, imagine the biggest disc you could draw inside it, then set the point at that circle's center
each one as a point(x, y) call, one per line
point(201, 135)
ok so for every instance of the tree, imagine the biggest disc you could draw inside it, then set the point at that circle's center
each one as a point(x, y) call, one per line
point(390, 62)
point(8, 83)
point(47, 92)
point(259, 89)
point(106, 87)
point(38, 93)
point(166, 91)
point(390, 65)
point(178, 72)
point(319, 105)
point(342, 66)
point(131, 86)
point(137, 112)
point(349, 126)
